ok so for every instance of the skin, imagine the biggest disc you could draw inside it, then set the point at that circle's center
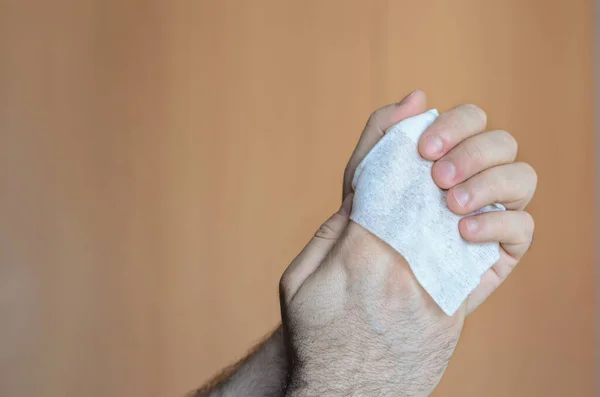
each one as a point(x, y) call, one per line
point(355, 320)
point(263, 372)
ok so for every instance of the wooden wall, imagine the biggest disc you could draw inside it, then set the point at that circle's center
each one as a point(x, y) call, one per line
point(161, 162)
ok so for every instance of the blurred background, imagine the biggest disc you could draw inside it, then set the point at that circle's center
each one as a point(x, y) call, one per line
point(161, 162)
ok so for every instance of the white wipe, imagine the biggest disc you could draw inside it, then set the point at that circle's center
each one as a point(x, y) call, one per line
point(397, 200)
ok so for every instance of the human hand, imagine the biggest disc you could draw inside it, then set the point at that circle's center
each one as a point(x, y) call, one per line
point(356, 320)
point(478, 168)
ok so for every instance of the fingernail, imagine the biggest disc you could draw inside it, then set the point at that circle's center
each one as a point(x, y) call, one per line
point(461, 196)
point(446, 170)
point(433, 145)
point(406, 98)
point(346, 207)
point(472, 225)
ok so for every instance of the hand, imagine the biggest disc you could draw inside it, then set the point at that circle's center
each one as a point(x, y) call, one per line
point(478, 168)
point(356, 320)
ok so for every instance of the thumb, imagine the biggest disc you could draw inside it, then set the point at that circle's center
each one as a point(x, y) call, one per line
point(315, 251)
point(380, 120)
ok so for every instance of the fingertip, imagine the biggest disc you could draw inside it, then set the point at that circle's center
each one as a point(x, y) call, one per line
point(443, 173)
point(454, 197)
point(420, 98)
point(380, 120)
point(462, 229)
point(468, 228)
point(415, 98)
point(431, 147)
point(419, 93)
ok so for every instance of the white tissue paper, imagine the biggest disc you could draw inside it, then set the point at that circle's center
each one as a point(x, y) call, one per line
point(397, 200)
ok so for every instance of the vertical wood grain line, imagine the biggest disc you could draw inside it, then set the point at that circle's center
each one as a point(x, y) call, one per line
point(379, 46)
point(596, 77)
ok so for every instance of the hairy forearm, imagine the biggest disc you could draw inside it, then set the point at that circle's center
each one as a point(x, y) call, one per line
point(262, 373)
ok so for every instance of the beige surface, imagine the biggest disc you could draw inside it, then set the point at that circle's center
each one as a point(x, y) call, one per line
point(162, 162)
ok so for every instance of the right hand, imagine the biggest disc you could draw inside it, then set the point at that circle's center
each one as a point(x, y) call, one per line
point(360, 324)
point(356, 320)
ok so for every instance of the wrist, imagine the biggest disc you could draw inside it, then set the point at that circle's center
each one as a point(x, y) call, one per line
point(261, 373)
point(325, 383)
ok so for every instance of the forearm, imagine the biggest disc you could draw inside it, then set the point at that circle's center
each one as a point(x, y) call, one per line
point(262, 373)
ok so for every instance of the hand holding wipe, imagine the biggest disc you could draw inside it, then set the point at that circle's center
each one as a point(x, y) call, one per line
point(397, 200)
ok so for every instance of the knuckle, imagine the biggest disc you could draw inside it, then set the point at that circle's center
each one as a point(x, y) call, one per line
point(284, 280)
point(526, 177)
point(285, 283)
point(509, 142)
point(476, 113)
point(529, 225)
point(531, 172)
point(374, 118)
point(474, 154)
point(326, 232)
point(526, 228)
point(493, 184)
point(504, 223)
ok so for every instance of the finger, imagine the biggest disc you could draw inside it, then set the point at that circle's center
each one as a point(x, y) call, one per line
point(512, 185)
point(491, 280)
point(451, 128)
point(381, 120)
point(492, 226)
point(315, 251)
point(474, 155)
point(513, 229)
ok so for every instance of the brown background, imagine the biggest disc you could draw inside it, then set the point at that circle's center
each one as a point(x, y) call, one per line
point(163, 161)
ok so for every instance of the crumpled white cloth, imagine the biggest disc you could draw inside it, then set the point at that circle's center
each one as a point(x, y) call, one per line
point(397, 200)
